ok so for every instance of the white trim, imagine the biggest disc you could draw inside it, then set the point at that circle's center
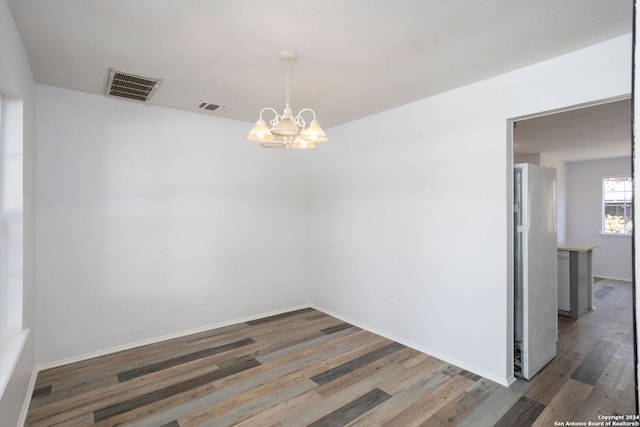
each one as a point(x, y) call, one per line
point(619, 279)
point(474, 369)
point(27, 400)
point(129, 346)
point(572, 107)
point(11, 348)
point(604, 204)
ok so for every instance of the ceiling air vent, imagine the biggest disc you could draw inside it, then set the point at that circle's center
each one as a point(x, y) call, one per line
point(209, 106)
point(130, 86)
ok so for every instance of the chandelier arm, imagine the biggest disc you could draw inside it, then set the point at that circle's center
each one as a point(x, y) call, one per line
point(275, 113)
point(300, 121)
point(308, 109)
point(268, 109)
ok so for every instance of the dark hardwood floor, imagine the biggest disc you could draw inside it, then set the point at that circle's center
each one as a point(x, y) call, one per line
point(307, 368)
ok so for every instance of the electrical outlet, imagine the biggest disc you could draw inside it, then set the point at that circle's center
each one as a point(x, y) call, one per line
point(206, 299)
point(393, 306)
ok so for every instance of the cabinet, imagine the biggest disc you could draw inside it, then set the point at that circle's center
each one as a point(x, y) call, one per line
point(575, 279)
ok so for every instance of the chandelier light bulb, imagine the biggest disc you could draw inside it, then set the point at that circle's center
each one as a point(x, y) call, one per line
point(314, 132)
point(260, 132)
point(301, 143)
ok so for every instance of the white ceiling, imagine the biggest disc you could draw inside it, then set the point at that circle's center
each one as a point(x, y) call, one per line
point(594, 132)
point(355, 57)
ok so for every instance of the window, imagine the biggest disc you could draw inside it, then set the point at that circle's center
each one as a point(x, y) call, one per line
point(617, 206)
point(11, 214)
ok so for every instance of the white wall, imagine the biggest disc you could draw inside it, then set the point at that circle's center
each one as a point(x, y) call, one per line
point(411, 208)
point(561, 188)
point(16, 84)
point(533, 158)
point(143, 210)
point(612, 257)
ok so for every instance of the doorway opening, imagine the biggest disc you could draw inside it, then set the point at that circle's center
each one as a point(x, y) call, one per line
point(580, 142)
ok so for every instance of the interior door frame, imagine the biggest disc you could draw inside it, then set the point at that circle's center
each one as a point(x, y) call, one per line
point(510, 233)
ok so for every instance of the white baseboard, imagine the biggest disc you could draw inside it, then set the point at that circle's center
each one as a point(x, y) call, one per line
point(474, 369)
point(129, 346)
point(619, 279)
point(27, 401)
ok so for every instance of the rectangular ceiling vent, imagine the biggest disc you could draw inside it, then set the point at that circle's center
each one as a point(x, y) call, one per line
point(130, 86)
point(209, 106)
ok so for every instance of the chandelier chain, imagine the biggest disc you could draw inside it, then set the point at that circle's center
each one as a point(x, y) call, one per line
point(288, 84)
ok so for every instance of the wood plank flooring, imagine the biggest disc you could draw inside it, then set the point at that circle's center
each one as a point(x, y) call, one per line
point(306, 368)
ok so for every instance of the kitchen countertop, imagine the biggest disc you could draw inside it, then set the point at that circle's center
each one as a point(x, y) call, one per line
point(576, 247)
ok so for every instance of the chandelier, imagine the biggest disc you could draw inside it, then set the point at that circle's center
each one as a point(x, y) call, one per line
point(285, 129)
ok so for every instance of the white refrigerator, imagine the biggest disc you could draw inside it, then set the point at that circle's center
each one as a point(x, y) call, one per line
point(535, 269)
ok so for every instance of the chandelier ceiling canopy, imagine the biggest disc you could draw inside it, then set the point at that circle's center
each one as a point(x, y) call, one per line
point(287, 130)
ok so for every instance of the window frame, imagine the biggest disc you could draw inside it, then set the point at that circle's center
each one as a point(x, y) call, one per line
point(626, 203)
